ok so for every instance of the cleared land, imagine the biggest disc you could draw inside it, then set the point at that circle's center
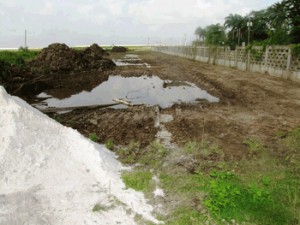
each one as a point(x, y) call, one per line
point(236, 160)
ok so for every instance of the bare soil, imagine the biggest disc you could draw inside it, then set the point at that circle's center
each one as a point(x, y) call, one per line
point(252, 105)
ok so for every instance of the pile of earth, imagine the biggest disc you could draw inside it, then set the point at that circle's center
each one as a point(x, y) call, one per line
point(59, 58)
point(119, 49)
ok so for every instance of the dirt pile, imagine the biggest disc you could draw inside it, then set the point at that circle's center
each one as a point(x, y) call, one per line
point(119, 49)
point(58, 58)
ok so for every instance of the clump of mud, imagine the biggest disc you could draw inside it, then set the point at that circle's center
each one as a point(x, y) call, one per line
point(119, 49)
point(59, 58)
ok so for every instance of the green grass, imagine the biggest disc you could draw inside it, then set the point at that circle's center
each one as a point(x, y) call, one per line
point(99, 208)
point(129, 48)
point(150, 156)
point(185, 215)
point(255, 146)
point(17, 58)
point(138, 180)
point(229, 197)
point(129, 154)
point(94, 137)
point(259, 190)
point(109, 144)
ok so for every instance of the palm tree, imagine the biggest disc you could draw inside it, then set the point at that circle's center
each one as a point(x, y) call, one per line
point(215, 34)
point(238, 27)
point(292, 9)
point(200, 32)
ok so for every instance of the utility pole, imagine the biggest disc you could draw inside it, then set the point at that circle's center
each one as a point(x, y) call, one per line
point(25, 46)
point(249, 25)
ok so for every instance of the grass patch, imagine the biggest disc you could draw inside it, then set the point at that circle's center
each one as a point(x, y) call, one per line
point(230, 198)
point(138, 180)
point(203, 149)
point(290, 145)
point(17, 58)
point(150, 156)
point(153, 155)
point(184, 216)
point(109, 144)
point(255, 147)
point(94, 137)
point(98, 208)
point(205, 155)
point(255, 190)
point(129, 154)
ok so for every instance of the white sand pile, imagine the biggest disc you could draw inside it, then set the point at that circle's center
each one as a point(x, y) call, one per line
point(50, 174)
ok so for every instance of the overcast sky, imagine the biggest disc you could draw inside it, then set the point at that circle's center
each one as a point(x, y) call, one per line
point(107, 22)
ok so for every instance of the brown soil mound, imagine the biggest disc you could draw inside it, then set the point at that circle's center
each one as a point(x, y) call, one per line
point(57, 58)
point(118, 49)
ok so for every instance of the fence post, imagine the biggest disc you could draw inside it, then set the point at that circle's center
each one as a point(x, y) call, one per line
point(266, 59)
point(248, 61)
point(288, 63)
point(235, 57)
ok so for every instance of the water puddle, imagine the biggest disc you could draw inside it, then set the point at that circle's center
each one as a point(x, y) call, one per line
point(145, 90)
point(130, 60)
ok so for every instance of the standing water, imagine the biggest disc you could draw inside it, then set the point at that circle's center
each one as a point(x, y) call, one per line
point(138, 90)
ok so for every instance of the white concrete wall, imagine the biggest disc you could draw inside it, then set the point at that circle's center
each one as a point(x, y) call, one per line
point(263, 67)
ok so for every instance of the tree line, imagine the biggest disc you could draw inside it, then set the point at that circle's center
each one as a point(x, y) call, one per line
point(279, 24)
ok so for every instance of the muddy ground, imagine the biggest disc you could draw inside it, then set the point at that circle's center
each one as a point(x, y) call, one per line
point(252, 105)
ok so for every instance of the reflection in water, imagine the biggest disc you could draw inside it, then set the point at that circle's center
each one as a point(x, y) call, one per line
point(139, 90)
point(130, 60)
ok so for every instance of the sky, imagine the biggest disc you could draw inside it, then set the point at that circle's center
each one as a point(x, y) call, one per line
point(112, 22)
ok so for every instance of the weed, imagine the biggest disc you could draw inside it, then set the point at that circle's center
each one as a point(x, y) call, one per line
point(206, 155)
point(98, 208)
point(130, 154)
point(94, 137)
point(109, 144)
point(288, 192)
point(290, 149)
point(137, 180)
point(255, 147)
point(151, 155)
point(185, 215)
point(5, 69)
point(203, 149)
point(58, 118)
point(229, 198)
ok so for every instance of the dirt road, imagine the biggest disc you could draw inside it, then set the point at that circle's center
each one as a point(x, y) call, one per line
point(252, 106)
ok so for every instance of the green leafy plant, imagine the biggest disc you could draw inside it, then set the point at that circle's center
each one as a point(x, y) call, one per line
point(229, 197)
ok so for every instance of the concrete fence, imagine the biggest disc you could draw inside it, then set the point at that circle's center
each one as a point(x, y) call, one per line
point(274, 60)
